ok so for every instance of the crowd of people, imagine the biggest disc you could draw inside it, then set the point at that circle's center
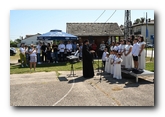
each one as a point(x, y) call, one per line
point(128, 54)
point(48, 52)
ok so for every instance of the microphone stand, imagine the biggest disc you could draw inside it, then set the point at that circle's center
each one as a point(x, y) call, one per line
point(101, 72)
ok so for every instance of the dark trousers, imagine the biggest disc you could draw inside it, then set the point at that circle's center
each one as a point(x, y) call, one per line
point(61, 57)
point(103, 64)
point(56, 56)
point(68, 53)
point(44, 56)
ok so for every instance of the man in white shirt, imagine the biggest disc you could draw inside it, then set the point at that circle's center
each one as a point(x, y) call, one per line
point(135, 53)
point(61, 48)
point(68, 48)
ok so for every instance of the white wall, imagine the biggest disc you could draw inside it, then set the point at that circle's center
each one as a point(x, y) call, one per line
point(32, 40)
point(150, 32)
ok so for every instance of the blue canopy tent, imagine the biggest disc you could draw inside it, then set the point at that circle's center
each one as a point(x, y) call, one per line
point(56, 35)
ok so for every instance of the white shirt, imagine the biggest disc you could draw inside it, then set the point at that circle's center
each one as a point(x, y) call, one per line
point(104, 55)
point(135, 49)
point(34, 52)
point(141, 43)
point(69, 47)
point(102, 47)
point(22, 50)
point(61, 47)
point(121, 48)
point(116, 48)
point(112, 48)
point(117, 60)
point(38, 49)
point(127, 47)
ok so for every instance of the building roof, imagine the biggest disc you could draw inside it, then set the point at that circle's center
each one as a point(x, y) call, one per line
point(141, 24)
point(27, 36)
point(94, 29)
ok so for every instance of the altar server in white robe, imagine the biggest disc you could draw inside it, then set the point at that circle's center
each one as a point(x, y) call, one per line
point(117, 67)
point(107, 64)
point(128, 55)
point(111, 61)
point(121, 50)
point(142, 61)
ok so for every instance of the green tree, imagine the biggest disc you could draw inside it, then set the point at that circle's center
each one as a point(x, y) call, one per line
point(142, 20)
point(17, 40)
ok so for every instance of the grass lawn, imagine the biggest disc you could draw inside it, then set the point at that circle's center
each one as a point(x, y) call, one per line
point(17, 69)
point(149, 48)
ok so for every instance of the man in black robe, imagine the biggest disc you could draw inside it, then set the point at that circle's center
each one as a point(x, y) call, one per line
point(88, 71)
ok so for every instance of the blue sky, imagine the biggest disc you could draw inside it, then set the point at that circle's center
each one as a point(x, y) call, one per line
point(24, 22)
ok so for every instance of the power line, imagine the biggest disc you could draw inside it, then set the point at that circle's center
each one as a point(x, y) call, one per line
point(100, 15)
point(111, 16)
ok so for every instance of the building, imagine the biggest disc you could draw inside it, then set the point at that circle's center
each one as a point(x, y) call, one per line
point(95, 31)
point(32, 39)
point(140, 29)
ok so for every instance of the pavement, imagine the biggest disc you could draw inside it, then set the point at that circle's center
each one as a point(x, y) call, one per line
point(66, 89)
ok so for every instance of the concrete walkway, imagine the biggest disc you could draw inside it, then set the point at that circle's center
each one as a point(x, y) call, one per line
point(51, 89)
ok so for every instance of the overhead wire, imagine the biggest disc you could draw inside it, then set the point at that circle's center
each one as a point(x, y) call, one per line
point(100, 16)
point(111, 16)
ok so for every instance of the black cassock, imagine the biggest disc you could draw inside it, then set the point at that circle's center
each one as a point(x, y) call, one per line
point(88, 71)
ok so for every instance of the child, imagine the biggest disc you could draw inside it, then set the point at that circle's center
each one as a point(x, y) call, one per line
point(117, 67)
point(113, 57)
point(111, 61)
point(103, 57)
point(116, 48)
point(107, 63)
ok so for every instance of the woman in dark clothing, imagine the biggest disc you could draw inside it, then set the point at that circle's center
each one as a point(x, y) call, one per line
point(88, 71)
point(49, 51)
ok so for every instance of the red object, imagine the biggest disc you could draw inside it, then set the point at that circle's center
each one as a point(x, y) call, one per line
point(94, 47)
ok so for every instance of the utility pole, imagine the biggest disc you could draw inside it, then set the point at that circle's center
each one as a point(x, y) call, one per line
point(146, 32)
point(127, 24)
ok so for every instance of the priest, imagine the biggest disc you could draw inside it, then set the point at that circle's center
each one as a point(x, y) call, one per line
point(88, 71)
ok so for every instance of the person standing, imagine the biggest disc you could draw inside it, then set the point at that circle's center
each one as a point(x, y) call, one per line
point(94, 47)
point(74, 45)
point(121, 50)
point(142, 52)
point(111, 56)
point(116, 48)
point(135, 53)
point(80, 52)
point(48, 52)
point(22, 55)
point(117, 67)
point(38, 48)
point(68, 48)
point(88, 71)
point(128, 55)
point(55, 51)
point(27, 54)
point(103, 57)
point(112, 46)
point(107, 64)
point(33, 57)
point(43, 48)
point(61, 48)
point(101, 49)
